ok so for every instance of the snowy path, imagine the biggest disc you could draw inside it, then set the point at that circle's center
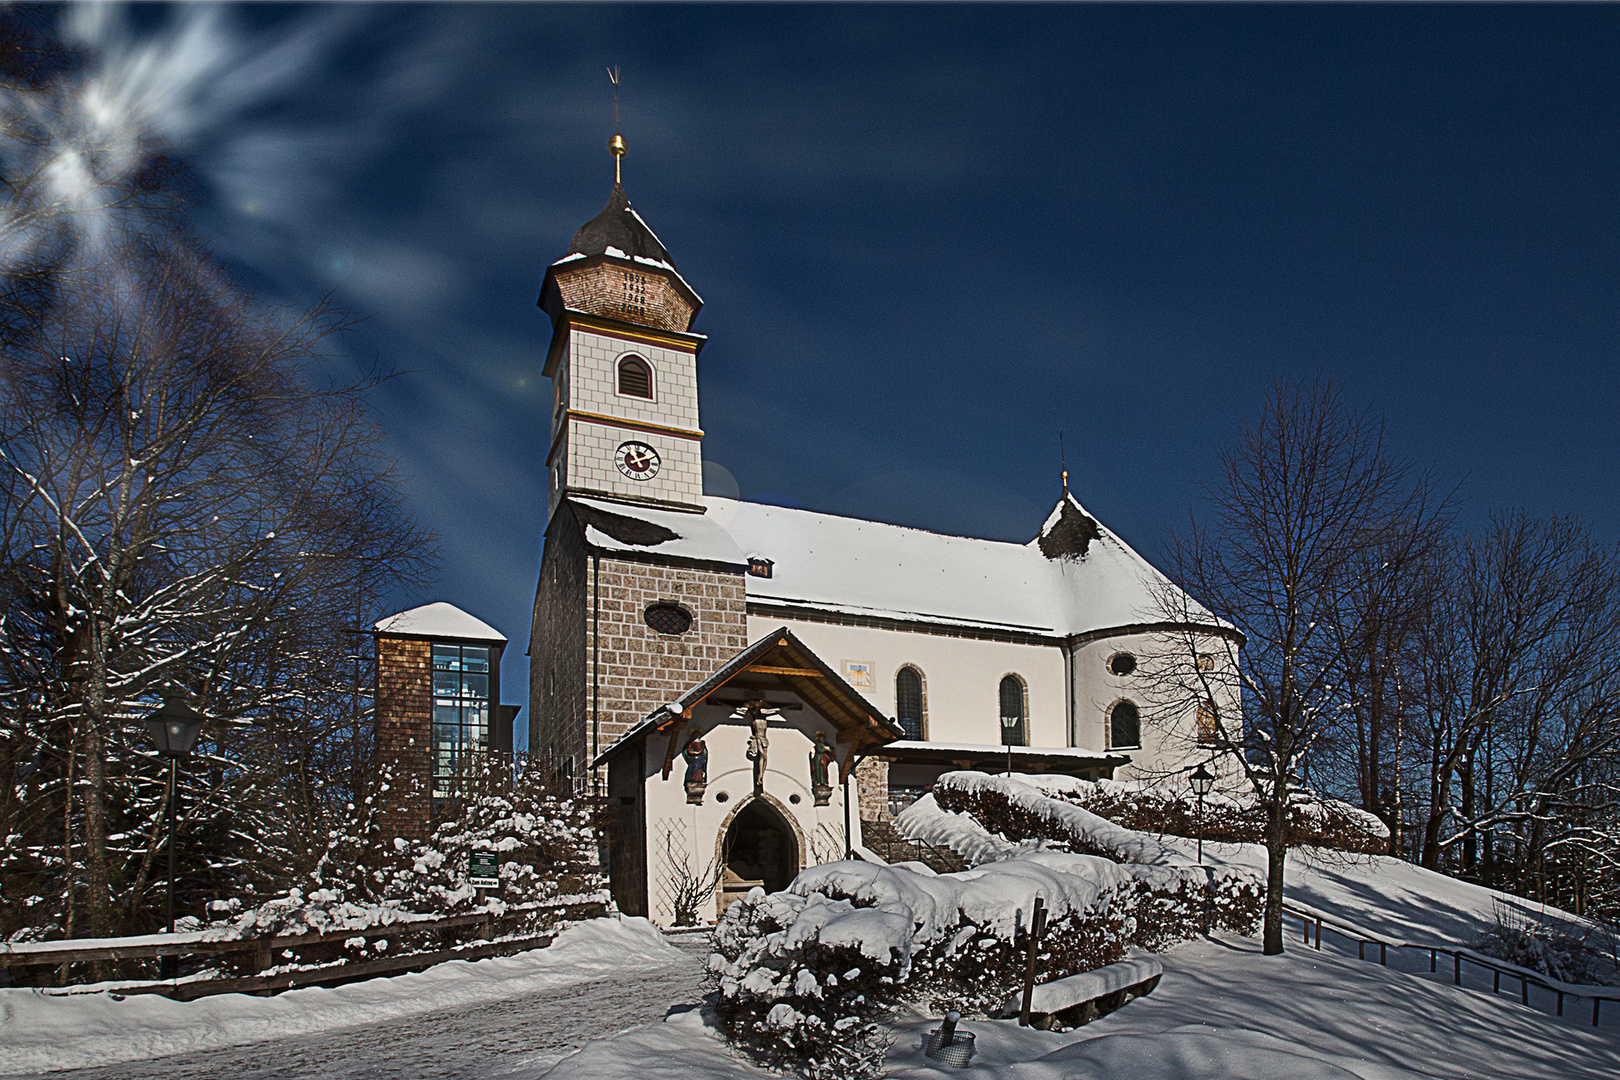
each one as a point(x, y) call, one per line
point(516, 1037)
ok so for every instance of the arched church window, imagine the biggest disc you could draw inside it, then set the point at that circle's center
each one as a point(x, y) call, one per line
point(1125, 727)
point(1012, 712)
point(635, 377)
point(908, 701)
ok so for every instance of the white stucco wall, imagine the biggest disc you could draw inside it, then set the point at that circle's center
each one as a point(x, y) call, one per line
point(1169, 727)
point(961, 677)
point(587, 381)
point(962, 680)
point(695, 832)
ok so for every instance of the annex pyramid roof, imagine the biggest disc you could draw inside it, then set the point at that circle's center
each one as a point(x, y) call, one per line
point(673, 534)
point(438, 620)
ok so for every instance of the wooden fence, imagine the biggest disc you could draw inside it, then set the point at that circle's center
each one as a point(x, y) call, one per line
point(1459, 957)
point(534, 927)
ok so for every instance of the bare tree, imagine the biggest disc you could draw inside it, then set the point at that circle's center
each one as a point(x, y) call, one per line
point(1303, 496)
point(1521, 695)
point(178, 505)
point(185, 498)
point(1394, 579)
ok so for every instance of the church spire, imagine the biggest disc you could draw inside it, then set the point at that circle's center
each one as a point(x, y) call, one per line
point(1063, 462)
point(615, 266)
point(616, 145)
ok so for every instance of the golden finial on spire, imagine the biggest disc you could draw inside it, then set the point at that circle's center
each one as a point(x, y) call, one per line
point(1063, 461)
point(616, 145)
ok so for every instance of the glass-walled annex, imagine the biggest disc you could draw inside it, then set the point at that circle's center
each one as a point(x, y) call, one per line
point(461, 713)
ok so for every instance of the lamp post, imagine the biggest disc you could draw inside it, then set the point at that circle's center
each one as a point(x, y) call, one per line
point(175, 728)
point(1202, 781)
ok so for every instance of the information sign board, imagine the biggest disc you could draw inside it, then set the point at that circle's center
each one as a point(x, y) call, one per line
point(483, 869)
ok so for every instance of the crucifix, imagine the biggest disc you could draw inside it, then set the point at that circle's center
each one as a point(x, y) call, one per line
point(757, 711)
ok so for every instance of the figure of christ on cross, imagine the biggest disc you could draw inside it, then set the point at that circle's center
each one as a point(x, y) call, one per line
point(758, 744)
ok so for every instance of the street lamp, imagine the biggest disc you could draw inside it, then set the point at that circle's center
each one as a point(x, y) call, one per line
point(175, 728)
point(1202, 781)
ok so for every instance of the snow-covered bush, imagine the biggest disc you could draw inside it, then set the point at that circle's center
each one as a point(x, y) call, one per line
point(546, 846)
point(794, 1001)
point(1313, 820)
point(545, 840)
point(1568, 954)
point(806, 976)
point(318, 911)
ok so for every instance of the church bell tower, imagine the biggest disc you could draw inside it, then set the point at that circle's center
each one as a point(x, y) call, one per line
point(622, 364)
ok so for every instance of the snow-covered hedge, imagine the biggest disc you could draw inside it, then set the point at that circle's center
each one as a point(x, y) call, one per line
point(806, 976)
point(1174, 897)
point(1313, 820)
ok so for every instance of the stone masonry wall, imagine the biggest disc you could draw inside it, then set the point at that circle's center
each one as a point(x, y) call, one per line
point(404, 722)
point(643, 669)
point(872, 789)
point(559, 680)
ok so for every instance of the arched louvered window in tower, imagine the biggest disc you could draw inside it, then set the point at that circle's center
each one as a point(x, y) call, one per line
point(908, 702)
point(1012, 712)
point(635, 377)
point(1125, 727)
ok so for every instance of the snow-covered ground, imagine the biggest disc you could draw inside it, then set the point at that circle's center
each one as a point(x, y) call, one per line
point(1222, 1012)
point(1387, 896)
point(40, 1032)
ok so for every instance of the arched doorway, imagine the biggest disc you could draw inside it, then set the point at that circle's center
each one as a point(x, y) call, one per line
point(760, 849)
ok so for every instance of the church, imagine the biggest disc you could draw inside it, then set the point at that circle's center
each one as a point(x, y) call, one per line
point(756, 688)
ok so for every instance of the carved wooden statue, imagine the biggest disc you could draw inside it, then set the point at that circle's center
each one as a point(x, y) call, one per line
point(696, 754)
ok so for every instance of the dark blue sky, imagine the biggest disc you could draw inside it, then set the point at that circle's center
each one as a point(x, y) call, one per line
point(930, 237)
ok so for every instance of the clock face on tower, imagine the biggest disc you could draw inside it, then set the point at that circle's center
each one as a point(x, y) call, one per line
point(637, 460)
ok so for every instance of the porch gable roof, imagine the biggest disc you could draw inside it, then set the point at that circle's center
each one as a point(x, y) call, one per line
point(783, 656)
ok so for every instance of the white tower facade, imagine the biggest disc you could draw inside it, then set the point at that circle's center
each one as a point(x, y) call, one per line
point(623, 367)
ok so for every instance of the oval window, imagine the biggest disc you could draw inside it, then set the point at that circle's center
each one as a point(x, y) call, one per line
point(668, 618)
point(1122, 663)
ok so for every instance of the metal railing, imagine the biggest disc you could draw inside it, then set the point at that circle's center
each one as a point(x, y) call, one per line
point(1459, 957)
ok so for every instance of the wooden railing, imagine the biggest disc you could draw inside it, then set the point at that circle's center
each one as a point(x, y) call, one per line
point(1459, 956)
point(534, 925)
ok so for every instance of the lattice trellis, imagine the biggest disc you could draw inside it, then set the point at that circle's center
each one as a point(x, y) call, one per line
point(672, 857)
point(826, 844)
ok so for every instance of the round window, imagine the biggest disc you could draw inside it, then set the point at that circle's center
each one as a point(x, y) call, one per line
point(1122, 663)
point(668, 618)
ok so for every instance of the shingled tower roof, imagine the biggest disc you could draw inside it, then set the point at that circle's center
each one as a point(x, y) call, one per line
point(619, 227)
point(608, 251)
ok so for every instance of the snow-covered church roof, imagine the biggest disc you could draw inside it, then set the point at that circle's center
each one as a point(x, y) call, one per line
point(438, 620)
point(1075, 576)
